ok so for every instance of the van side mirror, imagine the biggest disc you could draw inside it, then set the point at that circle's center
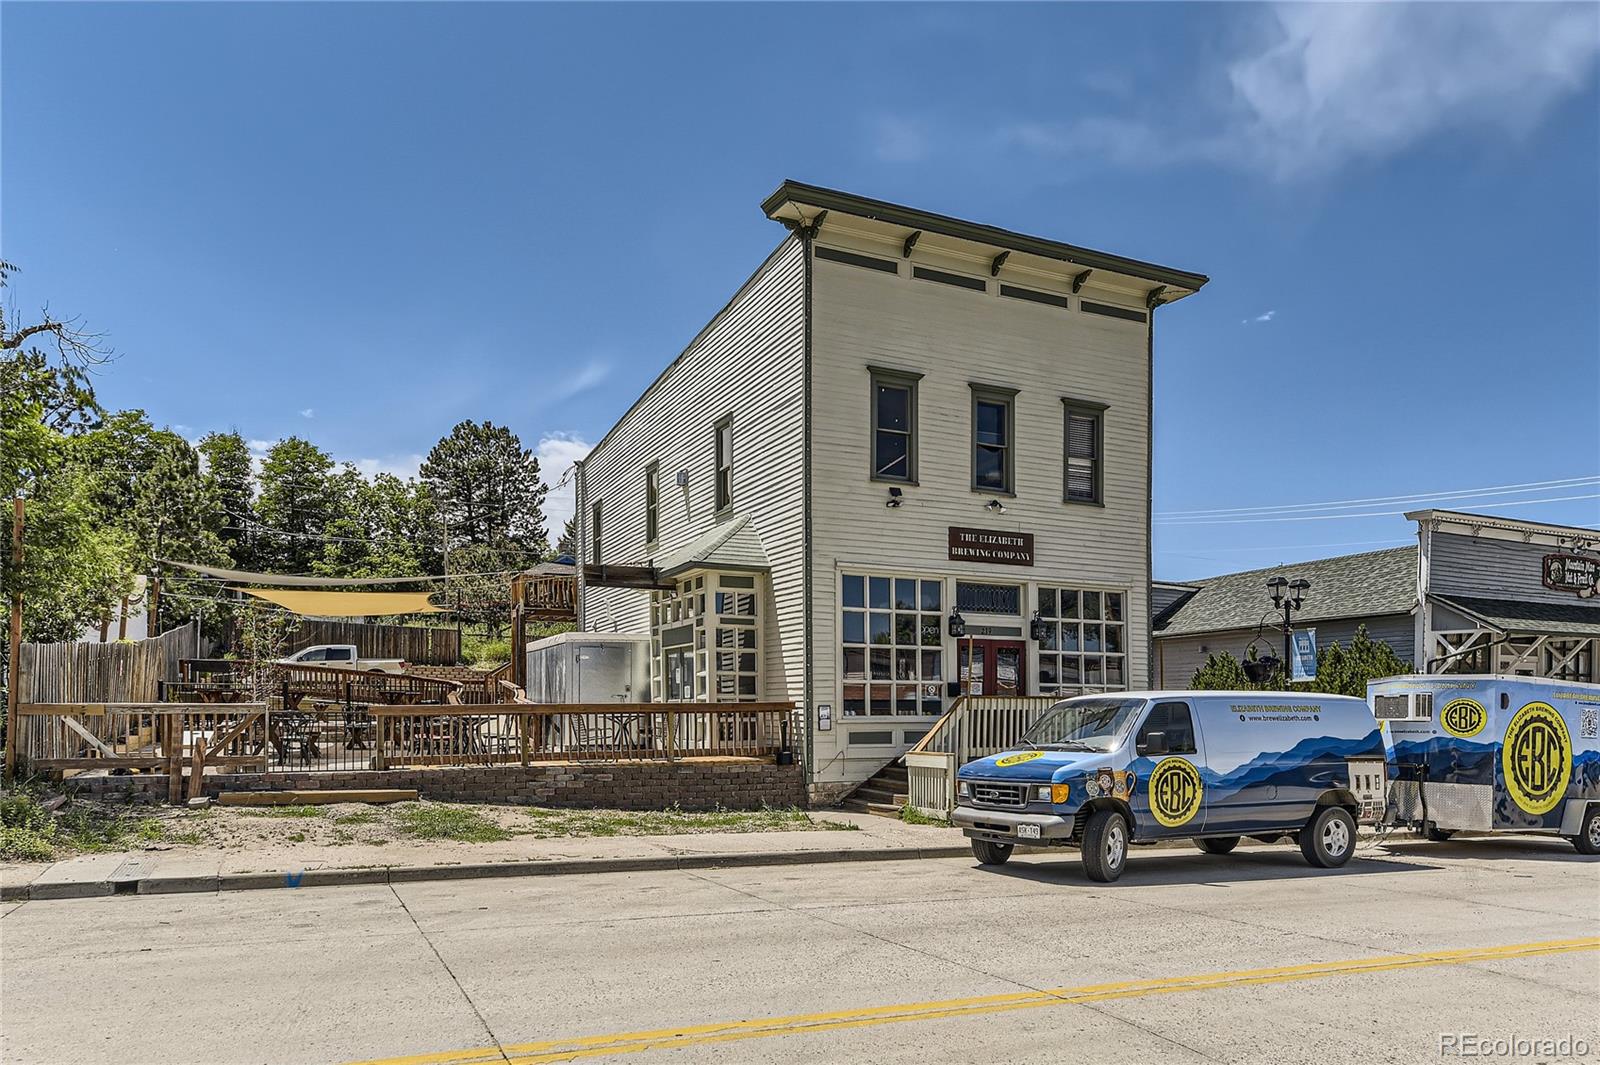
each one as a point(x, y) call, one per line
point(1152, 743)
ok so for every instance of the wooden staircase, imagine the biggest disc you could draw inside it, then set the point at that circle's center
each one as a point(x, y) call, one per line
point(884, 793)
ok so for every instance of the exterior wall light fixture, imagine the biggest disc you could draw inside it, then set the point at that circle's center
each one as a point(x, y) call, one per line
point(894, 499)
point(1036, 629)
point(994, 506)
point(958, 624)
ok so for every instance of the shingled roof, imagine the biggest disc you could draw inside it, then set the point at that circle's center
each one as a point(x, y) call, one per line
point(1370, 584)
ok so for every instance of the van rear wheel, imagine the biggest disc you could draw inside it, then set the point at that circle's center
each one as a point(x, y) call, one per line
point(1587, 841)
point(1217, 844)
point(1436, 834)
point(990, 853)
point(1329, 838)
point(1105, 845)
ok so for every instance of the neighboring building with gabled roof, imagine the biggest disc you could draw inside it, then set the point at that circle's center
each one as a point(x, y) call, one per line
point(1475, 594)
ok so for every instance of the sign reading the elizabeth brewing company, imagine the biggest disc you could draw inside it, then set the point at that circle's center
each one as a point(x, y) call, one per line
point(987, 545)
point(1572, 573)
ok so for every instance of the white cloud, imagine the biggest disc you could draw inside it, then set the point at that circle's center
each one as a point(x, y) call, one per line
point(1264, 317)
point(309, 412)
point(896, 139)
point(402, 466)
point(557, 452)
point(1326, 85)
point(591, 374)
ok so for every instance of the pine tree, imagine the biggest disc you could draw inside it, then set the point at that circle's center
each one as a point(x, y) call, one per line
point(489, 492)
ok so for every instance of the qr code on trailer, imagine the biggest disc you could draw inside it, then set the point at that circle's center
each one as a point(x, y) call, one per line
point(1589, 722)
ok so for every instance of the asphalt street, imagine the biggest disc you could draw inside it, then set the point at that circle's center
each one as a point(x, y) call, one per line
point(1251, 957)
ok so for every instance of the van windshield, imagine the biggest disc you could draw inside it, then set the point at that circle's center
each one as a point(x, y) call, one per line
point(1082, 724)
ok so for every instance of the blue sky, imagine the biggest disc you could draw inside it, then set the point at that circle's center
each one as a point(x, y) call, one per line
point(362, 223)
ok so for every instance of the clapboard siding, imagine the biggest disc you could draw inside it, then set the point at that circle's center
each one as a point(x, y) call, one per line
point(1491, 568)
point(748, 362)
point(1178, 657)
point(956, 337)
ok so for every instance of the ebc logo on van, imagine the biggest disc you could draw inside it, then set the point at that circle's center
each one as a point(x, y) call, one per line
point(1537, 758)
point(1175, 791)
point(1463, 717)
point(1018, 758)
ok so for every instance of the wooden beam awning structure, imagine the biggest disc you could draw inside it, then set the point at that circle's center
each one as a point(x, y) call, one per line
point(605, 575)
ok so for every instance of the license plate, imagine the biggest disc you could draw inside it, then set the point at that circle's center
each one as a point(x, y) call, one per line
point(1027, 831)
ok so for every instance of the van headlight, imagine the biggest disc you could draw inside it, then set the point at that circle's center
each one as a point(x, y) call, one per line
point(963, 789)
point(1043, 792)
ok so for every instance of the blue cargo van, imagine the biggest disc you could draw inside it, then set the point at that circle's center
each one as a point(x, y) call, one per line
point(1103, 772)
point(1492, 754)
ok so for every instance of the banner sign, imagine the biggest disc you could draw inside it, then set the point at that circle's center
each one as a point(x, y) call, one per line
point(1304, 645)
point(988, 545)
point(1572, 573)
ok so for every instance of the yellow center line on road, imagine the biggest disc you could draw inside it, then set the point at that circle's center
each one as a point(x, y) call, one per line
point(732, 1031)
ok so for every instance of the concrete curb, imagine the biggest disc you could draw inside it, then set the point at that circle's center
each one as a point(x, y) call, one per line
point(400, 874)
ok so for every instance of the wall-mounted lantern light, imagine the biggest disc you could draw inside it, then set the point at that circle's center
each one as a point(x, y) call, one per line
point(958, 624)
point(1036, 628)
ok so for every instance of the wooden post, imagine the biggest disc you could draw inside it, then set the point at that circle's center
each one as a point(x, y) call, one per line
point(197, 766)
point(519, 663)
point(523, 721)
point(174, 752)
point(14, 663)
point(153, 622)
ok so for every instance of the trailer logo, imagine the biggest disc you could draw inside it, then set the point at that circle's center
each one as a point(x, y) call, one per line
point(1537, 758)
point(1463, 717)
point(1175, 791)
point(1019, 758)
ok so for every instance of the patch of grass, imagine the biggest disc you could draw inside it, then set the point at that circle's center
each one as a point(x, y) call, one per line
point(283, 811)
point(549, 824)
point(913, 816)
point(360, 817)
point(297, 837)
point(27, 831)
point(448, 822)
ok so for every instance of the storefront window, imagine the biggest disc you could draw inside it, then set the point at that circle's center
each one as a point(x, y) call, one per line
point(891, 636)
point(1085, 641)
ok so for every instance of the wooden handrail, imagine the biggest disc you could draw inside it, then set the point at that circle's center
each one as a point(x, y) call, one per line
point(576, 709)
point(921, 746)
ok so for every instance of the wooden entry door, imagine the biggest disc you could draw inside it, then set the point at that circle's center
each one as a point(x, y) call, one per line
point(992, 667)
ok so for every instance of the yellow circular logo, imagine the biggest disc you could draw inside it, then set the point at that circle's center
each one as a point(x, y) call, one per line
point(1537, 758)
point(1019, 758)
point(1175, 791)
point(1463, 717)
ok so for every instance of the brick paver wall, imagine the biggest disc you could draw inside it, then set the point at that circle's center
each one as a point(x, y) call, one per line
point(621, 786)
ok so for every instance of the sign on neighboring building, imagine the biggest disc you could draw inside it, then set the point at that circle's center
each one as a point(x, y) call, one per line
point(988, 545)
point(1304, 646)
point(1572, 573)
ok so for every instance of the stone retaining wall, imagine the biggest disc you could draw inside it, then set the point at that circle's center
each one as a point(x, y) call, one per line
point(729, 785)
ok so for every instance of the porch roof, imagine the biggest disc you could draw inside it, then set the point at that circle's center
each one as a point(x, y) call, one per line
point(730, 544)
point(1514, 615)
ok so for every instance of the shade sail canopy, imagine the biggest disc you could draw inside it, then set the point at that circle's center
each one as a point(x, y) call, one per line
point(290, 580)
point(345, 604)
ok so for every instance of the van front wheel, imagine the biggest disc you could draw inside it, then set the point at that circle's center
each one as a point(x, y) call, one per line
point(1329, 838)
point(990, 853)
point(1105, 845)
point(1217, 844)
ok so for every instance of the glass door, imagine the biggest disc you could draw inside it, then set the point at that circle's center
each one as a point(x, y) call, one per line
point(680, 674)
point(991, 667)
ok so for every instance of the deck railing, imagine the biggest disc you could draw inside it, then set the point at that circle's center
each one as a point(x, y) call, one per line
point(262, 738)
point(975, 726)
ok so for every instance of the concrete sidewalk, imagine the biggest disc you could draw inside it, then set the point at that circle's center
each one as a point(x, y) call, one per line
point(188, 869)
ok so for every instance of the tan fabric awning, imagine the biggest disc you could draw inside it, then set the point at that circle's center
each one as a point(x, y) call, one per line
point(345, 604)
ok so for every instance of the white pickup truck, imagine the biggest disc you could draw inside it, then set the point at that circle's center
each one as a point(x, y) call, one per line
point(342, 656)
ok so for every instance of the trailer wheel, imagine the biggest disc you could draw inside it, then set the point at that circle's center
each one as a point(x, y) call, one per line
point(1105, 845)
point(990, 853)
point(1436, 834)
point(1587, 841)
point(1217, 844)
point(1329, 838)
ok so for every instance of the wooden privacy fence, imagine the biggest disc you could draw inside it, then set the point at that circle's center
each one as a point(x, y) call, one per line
point(104, 672)
point(424, 646)
point(339, 737)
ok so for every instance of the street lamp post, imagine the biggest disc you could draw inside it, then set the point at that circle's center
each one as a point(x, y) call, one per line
point(1288, 596)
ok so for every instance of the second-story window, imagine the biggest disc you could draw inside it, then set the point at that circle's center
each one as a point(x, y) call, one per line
point(725, 464)
point(993, 446)
point(894, 425)
point(652, 498)
point(1085, 441)
point(594, 534)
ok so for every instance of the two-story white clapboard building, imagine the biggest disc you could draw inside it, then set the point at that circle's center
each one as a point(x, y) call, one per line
point(902, 428)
